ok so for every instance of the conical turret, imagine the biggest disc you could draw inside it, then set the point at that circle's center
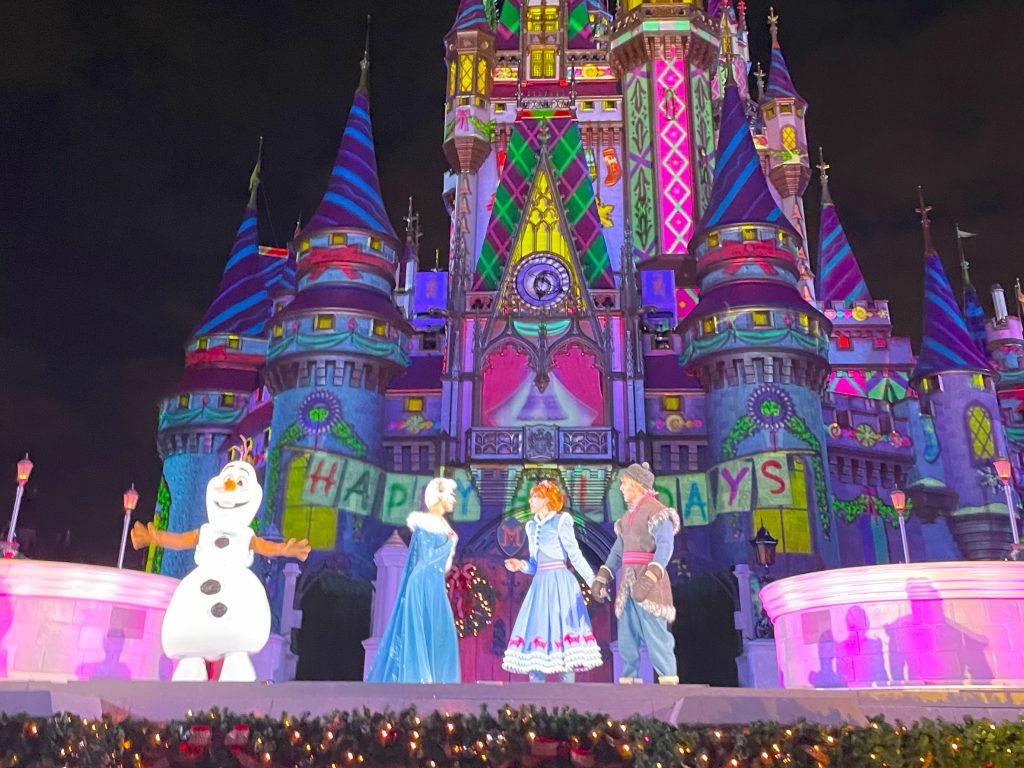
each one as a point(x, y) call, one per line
point(839, 276)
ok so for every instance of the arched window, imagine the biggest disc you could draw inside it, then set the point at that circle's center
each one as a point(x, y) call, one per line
point(789, 138)
point(979, 423)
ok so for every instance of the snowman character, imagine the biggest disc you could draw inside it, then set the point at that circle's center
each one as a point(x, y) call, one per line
point(220, 609)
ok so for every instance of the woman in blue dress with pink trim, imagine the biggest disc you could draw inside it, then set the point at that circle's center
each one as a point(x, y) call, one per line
point(552, 634)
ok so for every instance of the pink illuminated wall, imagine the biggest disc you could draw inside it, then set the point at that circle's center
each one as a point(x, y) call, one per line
point(512, 396)
point(955, 623)
point(64, 621)
point(671, 109)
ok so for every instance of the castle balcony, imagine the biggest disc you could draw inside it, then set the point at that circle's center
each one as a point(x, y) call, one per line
point(541, 442)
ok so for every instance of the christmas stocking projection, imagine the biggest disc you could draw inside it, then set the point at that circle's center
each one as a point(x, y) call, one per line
point(220, 609)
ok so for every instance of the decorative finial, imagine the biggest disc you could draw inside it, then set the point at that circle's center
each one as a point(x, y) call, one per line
point(254, 178)
point(926, 223)
point(823, 167)
point(726, 34)
point(741, 6)
point(412, 225)
point(298, 226)
point(364, 65)
point(437, 259)
point(759, 76)
point(773, 25)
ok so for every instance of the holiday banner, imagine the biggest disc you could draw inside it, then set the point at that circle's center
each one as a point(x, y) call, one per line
point(735, 486)
point(360, 488)
point(771, 474)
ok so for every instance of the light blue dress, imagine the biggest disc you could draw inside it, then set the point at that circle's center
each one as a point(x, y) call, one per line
point(420, 644)
point(552, 634)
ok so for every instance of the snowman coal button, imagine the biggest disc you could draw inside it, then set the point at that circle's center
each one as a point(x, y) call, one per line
point(210, 587)
point(221, 541)
point(218, 610)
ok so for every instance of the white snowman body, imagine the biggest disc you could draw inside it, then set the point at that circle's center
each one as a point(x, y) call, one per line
point(221, 607)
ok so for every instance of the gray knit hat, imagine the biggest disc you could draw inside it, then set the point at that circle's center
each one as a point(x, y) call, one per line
point(640, 474)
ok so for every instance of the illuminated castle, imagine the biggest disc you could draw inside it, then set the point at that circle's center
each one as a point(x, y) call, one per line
point(629, 280)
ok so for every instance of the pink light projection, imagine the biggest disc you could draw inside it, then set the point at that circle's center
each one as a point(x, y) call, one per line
point(571, 397)
point(926, 624)
point(64, 621)
point(671, 102)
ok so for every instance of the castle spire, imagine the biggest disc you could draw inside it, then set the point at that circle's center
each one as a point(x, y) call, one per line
point(353, 198)
point(839, 274)
point(242, 305)
point(946, 344)
point(470, 15)
point(364, 64)
point(780, 83)
point(740, 193)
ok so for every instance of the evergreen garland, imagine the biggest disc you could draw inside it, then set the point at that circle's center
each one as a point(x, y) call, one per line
point(511, 737)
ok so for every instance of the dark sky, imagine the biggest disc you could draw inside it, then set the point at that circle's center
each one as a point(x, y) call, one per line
point(128, 129)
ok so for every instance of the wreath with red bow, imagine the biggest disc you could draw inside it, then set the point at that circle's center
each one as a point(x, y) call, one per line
point(472, 599)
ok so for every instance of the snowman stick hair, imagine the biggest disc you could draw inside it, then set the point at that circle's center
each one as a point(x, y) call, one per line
point(244, 449)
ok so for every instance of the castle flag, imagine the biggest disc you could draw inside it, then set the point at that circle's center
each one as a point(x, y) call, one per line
point(962, 235)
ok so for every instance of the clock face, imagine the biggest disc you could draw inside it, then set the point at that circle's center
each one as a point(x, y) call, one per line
point(542, 280)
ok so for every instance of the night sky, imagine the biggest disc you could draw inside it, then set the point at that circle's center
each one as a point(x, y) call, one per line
point(128, 130)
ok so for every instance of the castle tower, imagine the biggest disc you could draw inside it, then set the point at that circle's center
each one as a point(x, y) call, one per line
point(759, 350)
point(665, 55)
point(956, 384)
point(783, 114)
point(470, 57)
point(199, 422)
point(1006, 350)
point(334, 348)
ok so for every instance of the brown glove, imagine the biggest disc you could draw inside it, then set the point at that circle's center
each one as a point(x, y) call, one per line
point(645, 582)
point(599, 589)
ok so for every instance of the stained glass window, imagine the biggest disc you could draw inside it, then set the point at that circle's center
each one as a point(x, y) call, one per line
point(789, 138)
point(465, 73)
point(481, 76)
point(451, 78)
point(542, 63)
point(979, 423)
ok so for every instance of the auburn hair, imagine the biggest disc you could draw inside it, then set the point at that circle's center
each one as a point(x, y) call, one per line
point(550, 492)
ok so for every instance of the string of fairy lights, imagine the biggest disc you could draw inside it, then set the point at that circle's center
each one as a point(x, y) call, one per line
point(511, 737)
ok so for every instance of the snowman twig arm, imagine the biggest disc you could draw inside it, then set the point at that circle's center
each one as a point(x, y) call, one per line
point(290, 548)
point(144, 535)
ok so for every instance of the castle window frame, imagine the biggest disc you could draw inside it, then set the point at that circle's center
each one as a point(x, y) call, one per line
point(202, 343)
point(380, 328)
point(761, 318)
point(543, 62)
point(609, 105)
point(979, 426)
point(499, 108)
point(978, 381)
point(671, 403)
point(586, 106)
point(414, 404)
point(338, 238)
point(709, 326)
point(233, 342)
point(323, 322)
point(881, 342)
point(843, 342)
point(227, 400)
point(278, 331)
point(183, 401)
point(785, 109)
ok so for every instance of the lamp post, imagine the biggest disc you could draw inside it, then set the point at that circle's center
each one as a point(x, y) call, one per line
point(131, 498)
point(1005, 471)
point(24, 470)
point(899, 501)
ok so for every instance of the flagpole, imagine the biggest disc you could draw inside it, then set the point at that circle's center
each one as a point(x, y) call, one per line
point(964, 266)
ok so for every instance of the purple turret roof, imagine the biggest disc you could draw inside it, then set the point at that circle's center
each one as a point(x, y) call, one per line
point(839, 275)
point(780, 83)
point(946, 344)
point(740, 194)
point(353, 198)
point(470, 16)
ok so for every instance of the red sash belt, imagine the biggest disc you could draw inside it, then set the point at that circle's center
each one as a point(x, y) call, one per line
point(636, 557)
point(556, 565)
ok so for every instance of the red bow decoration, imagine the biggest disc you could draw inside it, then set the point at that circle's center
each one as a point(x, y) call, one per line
point(758, 252)
point(459, 582)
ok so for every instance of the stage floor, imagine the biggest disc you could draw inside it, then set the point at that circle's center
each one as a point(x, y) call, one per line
point(676, 704)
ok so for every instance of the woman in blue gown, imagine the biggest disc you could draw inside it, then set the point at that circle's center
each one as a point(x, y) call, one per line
point(420, 644)
point(552, 634)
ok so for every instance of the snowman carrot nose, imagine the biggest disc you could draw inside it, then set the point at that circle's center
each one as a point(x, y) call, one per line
point(230, 485)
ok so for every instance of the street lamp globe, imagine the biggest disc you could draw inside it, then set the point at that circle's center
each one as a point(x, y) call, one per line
point(764, 545)
point(131, 498)
point(1004, 469)
point(24, 470)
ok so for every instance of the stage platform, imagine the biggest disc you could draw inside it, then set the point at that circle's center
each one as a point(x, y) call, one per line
point(676, 704)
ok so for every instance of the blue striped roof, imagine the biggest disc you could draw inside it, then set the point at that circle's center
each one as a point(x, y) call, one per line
point(839, 275)
point(740, 194)
point(946, 345)
point(471, 15)
point(353, 198)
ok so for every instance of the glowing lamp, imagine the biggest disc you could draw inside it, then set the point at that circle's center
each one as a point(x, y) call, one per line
point(899, 500)
point(1004, 469)
point(24, 470)
point(131, 498)
point(764, 545)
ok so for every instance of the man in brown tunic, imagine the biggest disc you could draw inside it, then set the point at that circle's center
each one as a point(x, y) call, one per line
point(643, 604)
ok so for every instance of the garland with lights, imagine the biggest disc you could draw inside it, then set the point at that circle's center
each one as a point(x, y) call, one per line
point(472, 599)
point(512, 737)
